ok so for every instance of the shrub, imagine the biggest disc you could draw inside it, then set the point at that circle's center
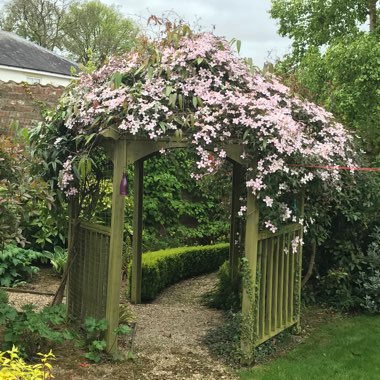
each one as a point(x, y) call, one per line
point(22, 193)
point(12, 367)
point(16, 265)
point(227, 293)
point(58, 259)
point(353, 283)
point(32, 331)
point(367, 281)
point(166, 267)
point(3, 297)
point(94, 330)
point(93, 338)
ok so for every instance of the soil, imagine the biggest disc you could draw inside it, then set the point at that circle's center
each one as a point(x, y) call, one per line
point(169, 336)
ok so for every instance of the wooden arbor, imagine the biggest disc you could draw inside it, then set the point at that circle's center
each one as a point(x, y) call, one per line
point(271, 277)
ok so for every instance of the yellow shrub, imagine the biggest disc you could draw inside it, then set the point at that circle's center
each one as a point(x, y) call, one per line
point(12, 367)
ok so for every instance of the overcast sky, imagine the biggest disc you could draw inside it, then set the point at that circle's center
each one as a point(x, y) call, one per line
point(245, 20)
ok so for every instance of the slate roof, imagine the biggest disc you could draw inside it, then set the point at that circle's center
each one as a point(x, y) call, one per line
point(17, 52)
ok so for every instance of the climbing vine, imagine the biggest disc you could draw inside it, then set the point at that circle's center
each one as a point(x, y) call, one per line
point(193, 86)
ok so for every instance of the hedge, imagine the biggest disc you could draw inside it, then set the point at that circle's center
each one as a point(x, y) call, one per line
point(169, 266)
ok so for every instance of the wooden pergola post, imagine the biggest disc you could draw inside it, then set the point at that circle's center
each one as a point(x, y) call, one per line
point(249, 279)
point(137, 231)
point(237, 183)
point(301, 200)
point(116, 245)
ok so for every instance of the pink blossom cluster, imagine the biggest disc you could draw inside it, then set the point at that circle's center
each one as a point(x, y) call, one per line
point(67, 178)
point(200, 87)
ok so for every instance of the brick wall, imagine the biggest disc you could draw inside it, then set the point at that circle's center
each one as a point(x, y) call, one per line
point(19, 103)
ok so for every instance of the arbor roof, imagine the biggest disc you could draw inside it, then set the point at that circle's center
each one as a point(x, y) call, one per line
point(17, 52)
point(192, 85)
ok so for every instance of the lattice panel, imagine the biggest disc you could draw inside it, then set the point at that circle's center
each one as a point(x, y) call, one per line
point(87, 291)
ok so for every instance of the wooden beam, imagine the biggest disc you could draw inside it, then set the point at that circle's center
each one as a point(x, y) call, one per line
point(116, 246)
point(249, 282)
point(73, 208)
point(269, 300)
point(299, 263)
point(137, 231)
point(237, 184)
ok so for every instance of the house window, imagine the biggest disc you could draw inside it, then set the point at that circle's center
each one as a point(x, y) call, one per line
point(33, 80)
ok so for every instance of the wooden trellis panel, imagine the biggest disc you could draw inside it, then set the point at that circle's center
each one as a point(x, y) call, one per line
point(278, 282)
point(87, 290)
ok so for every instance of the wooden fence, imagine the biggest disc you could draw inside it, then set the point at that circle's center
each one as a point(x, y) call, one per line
point(279, 259)
point(277, 300)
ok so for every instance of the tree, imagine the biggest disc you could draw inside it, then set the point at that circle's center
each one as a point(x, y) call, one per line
point(20, 190)
point(334, 61)
point(40, 21)
point(346, 80)
point(96, 31)
point(85, 31)
point(320, 22)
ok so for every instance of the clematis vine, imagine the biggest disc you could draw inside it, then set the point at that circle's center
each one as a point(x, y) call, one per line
point(196, 87)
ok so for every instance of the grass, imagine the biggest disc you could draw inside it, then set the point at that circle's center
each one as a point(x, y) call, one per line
point(346, 349)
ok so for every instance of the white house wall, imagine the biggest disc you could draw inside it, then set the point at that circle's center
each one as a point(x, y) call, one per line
point(31, 76)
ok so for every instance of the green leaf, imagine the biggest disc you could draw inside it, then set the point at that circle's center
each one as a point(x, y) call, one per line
point(117, 79)
point(172, 99)
point(150, 72)
point(168, 90)
point(238, 45)
point(162, 126)
point(178, 134)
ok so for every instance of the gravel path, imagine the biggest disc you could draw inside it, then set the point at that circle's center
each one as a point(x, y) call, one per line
point(168, 342)
point(171, 330)
point(19, 299)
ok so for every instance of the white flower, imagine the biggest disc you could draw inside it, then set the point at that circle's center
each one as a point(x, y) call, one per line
point(268, 201)
point(243, 209)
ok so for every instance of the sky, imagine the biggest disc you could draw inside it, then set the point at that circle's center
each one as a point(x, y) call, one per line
point(245, 20)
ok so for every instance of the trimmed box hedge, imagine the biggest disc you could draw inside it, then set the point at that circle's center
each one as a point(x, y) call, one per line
point(166, 267)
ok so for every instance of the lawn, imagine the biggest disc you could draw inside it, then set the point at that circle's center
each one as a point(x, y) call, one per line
point(348, 348)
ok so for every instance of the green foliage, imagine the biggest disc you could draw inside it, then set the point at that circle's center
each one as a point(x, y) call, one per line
point(317, 22)
point(3, 297)
point(16, 265)
point(335, 287)
point(58, 259)
point(345, 79)
point(348, 273)
point(13, 367)
point(20, 191)
point(92, 26)
point(178, 210)
point(39, 21)
point(344, 75)
point(367, 276)
point(93, 334)
point(227, 294)
point(94, 338)
point(32, 331)
point(45, 228)
point(166, 267)
point(76, 28)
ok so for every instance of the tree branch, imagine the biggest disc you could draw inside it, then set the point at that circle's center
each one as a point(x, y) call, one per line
point(311, 264)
